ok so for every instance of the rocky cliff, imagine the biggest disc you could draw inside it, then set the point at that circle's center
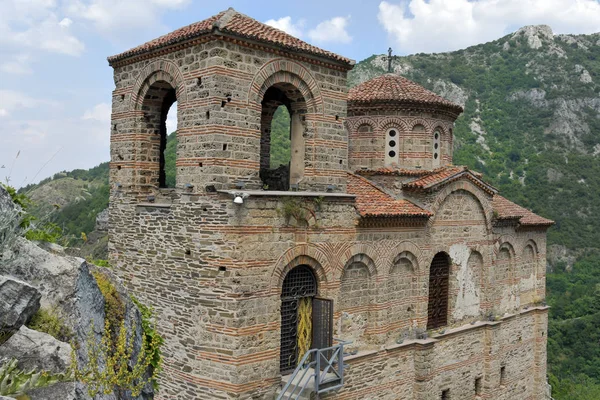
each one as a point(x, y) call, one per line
point(42, 287)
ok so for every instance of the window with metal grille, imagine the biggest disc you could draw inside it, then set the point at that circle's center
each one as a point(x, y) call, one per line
point(437, 311)
point(299, 283)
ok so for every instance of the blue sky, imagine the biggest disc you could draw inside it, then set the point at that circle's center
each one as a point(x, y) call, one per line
point(55, 83)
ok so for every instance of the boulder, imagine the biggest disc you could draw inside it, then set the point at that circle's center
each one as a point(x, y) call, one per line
point(33, 349)
point(18, 302)
point(9, 225)
point(54, 275)
point(6, 202)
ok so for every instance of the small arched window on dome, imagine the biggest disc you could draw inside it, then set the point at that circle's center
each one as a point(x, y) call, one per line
point(437, 150)
point(392, 146)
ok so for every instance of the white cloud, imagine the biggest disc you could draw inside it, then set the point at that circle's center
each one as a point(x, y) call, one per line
point(3, 112)
point(444, 25)
point(65, 22)
point(110, 16)
point(285, 24)
point(331, 30)
point(26, 27)
point(17, 64)
point(100, 112)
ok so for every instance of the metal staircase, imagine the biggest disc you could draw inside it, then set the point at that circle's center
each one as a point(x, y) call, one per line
point(319, 371)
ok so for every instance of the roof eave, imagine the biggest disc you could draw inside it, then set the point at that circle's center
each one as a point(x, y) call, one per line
point(121, 58)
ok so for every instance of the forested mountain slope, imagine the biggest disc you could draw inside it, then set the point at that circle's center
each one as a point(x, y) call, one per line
point(531, 125)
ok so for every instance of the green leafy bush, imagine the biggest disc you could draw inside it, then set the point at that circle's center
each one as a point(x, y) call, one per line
point(49, 321)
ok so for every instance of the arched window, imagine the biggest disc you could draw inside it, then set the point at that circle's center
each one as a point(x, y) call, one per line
point(392, 147)
point(160, 111)
point(298, 290)
point(437, 309)
point(437, 150)
point(282, 137)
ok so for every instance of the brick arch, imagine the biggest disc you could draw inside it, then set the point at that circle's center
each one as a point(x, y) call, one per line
point(438, 125)
point(158, 70)
point(405, 246)
point(463, 184)
point(410, 257)
point(411, 123)
point(506, 244)
point(533, 244)
point(282, 70)
point(361, 259)
point(354, 123)
point(350, 251)
point(390, 122)
point(306, 254)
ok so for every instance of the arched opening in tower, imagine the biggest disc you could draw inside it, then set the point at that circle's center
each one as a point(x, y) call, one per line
point(282, 137)
point(160, 122)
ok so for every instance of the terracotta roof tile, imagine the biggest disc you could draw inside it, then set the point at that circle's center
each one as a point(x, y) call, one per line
point(373, 202)
point(506, 209)
point(446, 175)
point(395, 88)
point(237, 24)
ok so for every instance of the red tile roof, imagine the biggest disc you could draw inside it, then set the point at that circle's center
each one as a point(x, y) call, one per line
point(395, 88)
point(237, 24)
point(445, 175)
point(373, 202)
point(506, 209)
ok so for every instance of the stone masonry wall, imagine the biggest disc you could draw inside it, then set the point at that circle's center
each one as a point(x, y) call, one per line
point(213, 271)
point(219, 87)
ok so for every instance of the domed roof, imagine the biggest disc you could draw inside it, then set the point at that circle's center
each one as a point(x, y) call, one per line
point(392, 88)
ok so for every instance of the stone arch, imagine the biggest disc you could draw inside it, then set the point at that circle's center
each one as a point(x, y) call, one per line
point(158, 70)
point(391, 122)
point(361, 252)
point(405, 247)
point(405, 255)
point(441, 127)
point(505, 253)
point(534, 246)
point(356, 292)
point(306, 254)
point(355, 124)
point(467, 186)
point(418, 121)
point(362, 259)
point(282, 70)
point(528, 272)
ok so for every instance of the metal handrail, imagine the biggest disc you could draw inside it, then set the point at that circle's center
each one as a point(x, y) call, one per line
point(315, 359)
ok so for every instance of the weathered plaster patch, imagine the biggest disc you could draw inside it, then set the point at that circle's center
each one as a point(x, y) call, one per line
point(468, 299)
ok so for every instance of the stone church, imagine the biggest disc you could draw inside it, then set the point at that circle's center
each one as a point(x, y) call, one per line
point(369, 267)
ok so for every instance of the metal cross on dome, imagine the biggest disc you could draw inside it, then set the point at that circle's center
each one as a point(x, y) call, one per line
point(390, 57)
